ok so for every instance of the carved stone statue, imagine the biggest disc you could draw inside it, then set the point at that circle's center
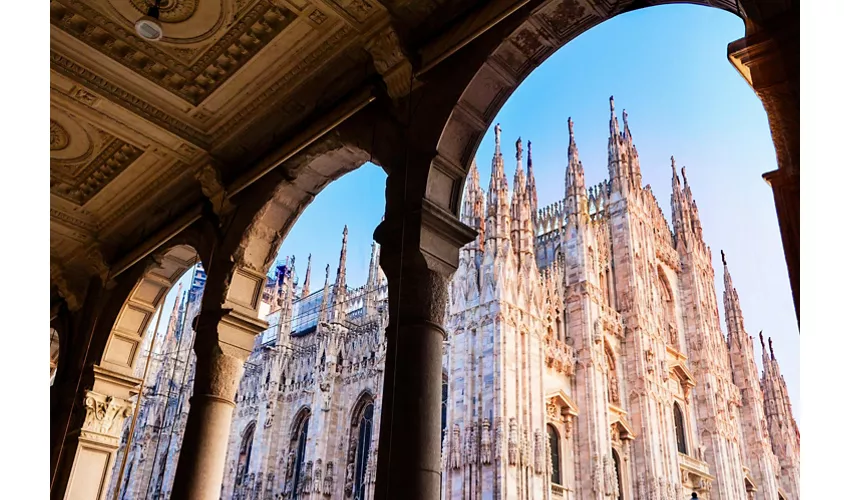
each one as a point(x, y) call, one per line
point(538, 452)
point(513, 444)
point(305, 479)
point(329, 480)
point(456, 447)
point(349, 479)
point(486, 452)
point(290, 464)
point(317, 477)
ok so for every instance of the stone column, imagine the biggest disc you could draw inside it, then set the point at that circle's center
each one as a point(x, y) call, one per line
point(769, 59)
point(92, 446)
point(223, 342)
point(419, 253)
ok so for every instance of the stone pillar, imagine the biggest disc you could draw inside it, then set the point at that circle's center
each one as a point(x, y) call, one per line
point(92, 446)
point(769, 59)
point(419, 253)
point(223, 342)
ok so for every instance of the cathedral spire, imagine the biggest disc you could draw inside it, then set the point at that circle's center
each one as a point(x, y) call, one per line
point(576, 192)
point(498, 206)
point(522, 233)
point(305, 288)
point(732, 306)
point(371, 282)
point(340, 271)
point(531, 186)
point(323, 308)
point(613, 125)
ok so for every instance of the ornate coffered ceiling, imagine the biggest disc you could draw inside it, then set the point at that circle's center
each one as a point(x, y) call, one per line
point(132, 121)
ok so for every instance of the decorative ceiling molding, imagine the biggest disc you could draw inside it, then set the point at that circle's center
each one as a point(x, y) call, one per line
point(193, 82)
point(81, 186)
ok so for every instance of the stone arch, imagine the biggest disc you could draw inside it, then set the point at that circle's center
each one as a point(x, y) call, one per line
point(495, 65)
point(266, 211)
point(139, 309)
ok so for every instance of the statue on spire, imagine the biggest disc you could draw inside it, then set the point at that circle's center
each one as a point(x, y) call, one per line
point(570, 126)
point(611, 101)
point(498, 131)
point(519, 148)
point(723, 257)
point(770, 345)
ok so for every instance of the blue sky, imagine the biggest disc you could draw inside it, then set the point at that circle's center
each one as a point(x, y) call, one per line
point(667, 67)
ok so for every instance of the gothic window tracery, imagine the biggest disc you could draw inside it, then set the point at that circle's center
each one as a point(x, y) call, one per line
point(297, 451)
point(244, 461)
point(679, 422)
point(555, 451)
point(359, 448)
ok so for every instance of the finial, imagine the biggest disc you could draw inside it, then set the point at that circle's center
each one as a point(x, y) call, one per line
point(519, 148)
point(723, 257)
point(570, 125)
point(498, 131)
point(770, 344)
point(611, 100)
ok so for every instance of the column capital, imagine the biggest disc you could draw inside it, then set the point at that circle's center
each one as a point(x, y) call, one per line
point(436, 234)
point(104, 418)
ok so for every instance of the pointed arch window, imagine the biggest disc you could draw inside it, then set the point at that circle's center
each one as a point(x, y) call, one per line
point(555, 454)
point(244, 462)
point(298, 451)
point(359, 448)
point(679, 422)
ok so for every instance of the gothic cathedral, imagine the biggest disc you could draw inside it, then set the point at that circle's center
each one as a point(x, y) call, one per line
point(584, 359)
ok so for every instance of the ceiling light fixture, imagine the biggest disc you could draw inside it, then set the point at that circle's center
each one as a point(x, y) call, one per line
point(148, 27)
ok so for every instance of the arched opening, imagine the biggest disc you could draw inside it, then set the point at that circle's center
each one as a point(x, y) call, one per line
point(295, 473)
point(679, 422)
point(555, 454)
point(164, 303)
point(618, 476)
point(244, 463)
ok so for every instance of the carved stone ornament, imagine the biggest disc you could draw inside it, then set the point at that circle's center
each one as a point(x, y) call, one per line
point(513, 442)
point(329, 480)
point(539, 459)
point(486, 446)
point(391, 62)
point(59, 138)
point(456, 447)
point(105, 416)
point(170, 11)
point(317, 477)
